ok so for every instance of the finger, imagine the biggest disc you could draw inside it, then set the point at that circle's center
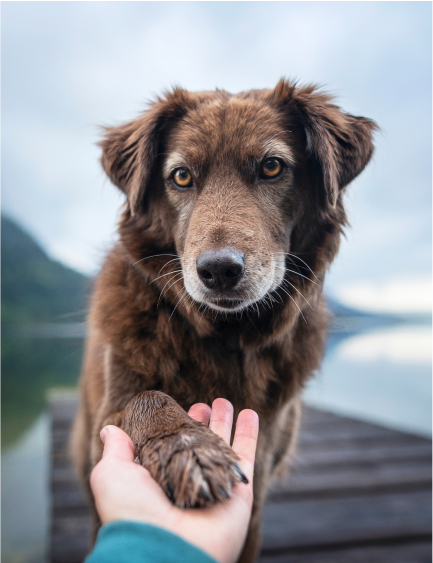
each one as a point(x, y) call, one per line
point(117, 444)
point(221, 419)
point(200, 412)
point(245, 440)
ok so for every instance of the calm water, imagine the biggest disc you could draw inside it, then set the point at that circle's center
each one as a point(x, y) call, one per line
point(382, 375)
point(30, 366)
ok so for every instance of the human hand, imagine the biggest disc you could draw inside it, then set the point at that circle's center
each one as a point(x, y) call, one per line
point(124, 490)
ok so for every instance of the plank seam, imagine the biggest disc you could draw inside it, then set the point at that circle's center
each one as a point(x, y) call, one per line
point(333, 546)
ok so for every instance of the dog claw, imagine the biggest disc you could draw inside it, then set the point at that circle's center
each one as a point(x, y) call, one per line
point(170, 490)
point(239, 473)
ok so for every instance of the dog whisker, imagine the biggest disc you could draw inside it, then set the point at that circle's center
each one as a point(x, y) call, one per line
point(301, 275)
point(167, 263)
point(175, 279)
point(161, 295)
point(154, 256)
point(296, 289)
point(297, 266)
point(297, 257)
point(264, 301)
point(178, 303)
point(306, 265)
point(167, 274)
point(183, 295)
point(282, 288)
point(187, 294)
point(191, 297)
point(206, 307)
point(178, 275)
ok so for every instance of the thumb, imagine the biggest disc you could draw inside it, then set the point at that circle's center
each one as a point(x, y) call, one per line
point(117, 444)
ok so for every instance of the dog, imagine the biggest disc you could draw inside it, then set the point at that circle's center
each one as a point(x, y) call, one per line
point(233, 214)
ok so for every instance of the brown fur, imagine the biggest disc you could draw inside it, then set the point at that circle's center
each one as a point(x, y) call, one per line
point(170, 333)
point(192, 464)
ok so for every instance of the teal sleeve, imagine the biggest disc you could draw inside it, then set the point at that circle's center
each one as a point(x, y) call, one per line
point(133, 542)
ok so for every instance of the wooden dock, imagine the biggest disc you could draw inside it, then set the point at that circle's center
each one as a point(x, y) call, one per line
point(358, 492)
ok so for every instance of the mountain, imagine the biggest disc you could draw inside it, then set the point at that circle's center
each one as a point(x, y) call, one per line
point(339, 310)
point(36, 288)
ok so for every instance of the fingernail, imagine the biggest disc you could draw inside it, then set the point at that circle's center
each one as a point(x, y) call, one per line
point(103, 434)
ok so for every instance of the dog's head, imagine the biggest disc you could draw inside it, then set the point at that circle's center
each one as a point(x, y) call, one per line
point(242, 188)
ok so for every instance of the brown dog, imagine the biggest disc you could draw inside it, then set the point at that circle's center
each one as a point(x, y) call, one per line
point(234, 212)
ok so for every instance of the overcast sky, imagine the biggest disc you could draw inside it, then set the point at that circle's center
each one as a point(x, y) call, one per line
point(68, 67)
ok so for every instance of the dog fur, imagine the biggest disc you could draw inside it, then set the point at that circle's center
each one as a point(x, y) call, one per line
point(154, 325)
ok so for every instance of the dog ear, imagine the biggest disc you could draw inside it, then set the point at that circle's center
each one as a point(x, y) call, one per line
point(338, 145)
point(129, 151)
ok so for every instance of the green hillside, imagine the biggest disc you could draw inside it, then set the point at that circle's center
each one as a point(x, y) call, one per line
point(34, 287)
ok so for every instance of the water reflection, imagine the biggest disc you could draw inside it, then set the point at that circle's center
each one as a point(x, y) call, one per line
point(31, 366)
point(383, 376)
point(25, 496)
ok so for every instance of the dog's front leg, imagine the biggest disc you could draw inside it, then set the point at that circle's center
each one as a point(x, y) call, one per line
point(262, 472)
point(251, 548)
point(97, 446)
point(194, 466)
point(276, 440)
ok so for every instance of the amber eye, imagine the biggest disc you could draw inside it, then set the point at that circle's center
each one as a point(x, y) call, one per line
point(182, 178)
point(271, 168)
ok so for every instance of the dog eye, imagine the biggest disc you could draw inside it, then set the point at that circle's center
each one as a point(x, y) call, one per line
point(182, 178)
point(271, 168)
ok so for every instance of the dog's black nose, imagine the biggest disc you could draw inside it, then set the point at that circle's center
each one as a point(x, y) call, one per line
point(221, 269)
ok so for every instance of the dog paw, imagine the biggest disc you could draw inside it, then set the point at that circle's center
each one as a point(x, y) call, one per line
point(193, 465)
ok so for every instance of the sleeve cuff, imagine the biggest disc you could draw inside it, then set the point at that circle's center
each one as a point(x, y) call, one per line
point(134, 542)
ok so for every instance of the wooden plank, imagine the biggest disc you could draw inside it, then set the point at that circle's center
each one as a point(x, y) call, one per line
point(340, 454)
point(397, 461)
point(332, 421)
point(70, 513)
point(311, 415)
point(72, 524)
point(412, 552)
point(353, 432)
point(329, 522)
point(320, 426)
point(383, 475)
point(352, 442)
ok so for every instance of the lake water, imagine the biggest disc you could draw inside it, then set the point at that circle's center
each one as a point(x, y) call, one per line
point(30, 367)
point(382, 375)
